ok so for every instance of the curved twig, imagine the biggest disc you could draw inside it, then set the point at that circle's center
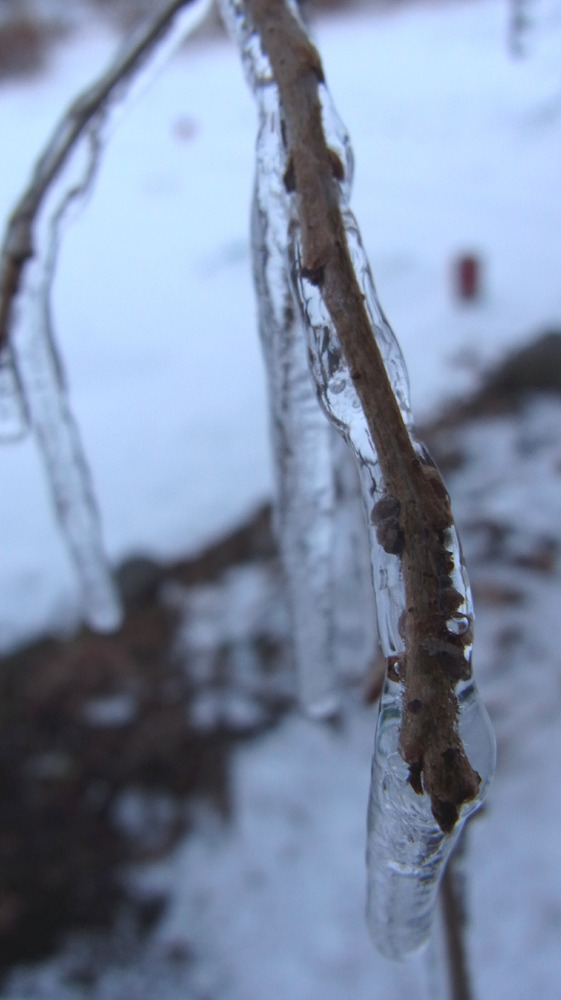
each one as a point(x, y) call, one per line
point(434, 660)
point(18, 244)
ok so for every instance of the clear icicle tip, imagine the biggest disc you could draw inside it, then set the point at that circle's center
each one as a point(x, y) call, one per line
point(407, 851)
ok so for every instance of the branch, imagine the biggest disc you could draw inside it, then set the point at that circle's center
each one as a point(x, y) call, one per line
point(434, 659)
point(27, 264)
point(18, 245)
point(455, 926)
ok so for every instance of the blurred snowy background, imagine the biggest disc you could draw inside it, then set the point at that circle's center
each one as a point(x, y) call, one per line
point(261, 840)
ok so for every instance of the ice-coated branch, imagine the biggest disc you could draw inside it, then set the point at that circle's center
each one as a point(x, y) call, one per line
point(19, 244)
point(314, 482)
point(30, 368)
point(416, 500)
point(434, 752)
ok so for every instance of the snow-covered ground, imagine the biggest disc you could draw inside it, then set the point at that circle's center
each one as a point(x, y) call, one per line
point(458, 148)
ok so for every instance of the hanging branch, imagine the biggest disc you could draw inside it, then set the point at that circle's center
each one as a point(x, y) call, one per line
point(18, 246)
point(63, 175)
point(415, 515)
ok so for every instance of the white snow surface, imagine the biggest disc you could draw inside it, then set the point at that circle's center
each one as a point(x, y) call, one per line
point(457, 149)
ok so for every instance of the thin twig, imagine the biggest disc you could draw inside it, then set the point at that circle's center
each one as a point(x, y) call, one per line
point(18, 245)
point(434, 660)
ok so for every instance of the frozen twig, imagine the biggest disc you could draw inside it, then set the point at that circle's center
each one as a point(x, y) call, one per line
point(18, 245)
point(29, 360)
point(301, 437)
point(434, 659)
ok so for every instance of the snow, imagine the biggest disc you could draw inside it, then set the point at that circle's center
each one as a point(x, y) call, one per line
point(247, 604)
point(457, 148)
point(282, 911)
point(515, 876)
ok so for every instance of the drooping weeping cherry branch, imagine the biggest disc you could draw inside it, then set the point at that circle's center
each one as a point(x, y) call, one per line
point(30, 365)
point(415, 516)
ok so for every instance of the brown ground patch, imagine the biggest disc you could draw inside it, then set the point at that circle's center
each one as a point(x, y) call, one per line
point(81, 723)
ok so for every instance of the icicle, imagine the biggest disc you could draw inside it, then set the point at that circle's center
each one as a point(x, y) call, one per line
point(302, 451)
point(342, 406)
point(40, 375)
point(407, 851)
point(62, 178)
point(354, 612)
point(305, 513)
point(434, 750)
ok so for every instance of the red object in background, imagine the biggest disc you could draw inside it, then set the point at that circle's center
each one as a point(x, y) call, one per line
point(468, 277)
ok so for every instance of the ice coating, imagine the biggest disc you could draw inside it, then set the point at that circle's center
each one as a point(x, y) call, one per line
point(342, 406)
point(418, 803)
point(32, 385)
point(301, 435)
point(406, 850)
point(68, 474)
point(307, 459)
point(13, 417)
point(407, 847)
point(41, 380)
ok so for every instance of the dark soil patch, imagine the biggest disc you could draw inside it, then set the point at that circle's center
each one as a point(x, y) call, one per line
point(81, 723)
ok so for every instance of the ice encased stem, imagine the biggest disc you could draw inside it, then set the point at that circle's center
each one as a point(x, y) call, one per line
point(407, 848)
point(32, 384)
